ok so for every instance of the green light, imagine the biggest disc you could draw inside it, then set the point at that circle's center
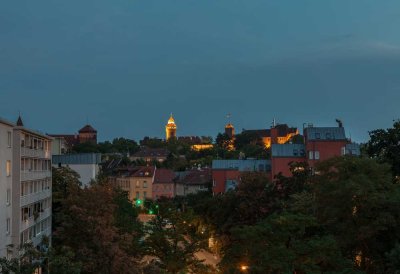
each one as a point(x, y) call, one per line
point(138, 202)
point(151, 212)
point(156, 206)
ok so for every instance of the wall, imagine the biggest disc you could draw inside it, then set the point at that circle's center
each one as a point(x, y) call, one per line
point(281, 164)
point(327, 150)
point(221, 176)
point(5, 183)
point(87, 172)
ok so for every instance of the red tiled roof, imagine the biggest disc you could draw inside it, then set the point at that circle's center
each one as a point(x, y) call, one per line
point(164, 176)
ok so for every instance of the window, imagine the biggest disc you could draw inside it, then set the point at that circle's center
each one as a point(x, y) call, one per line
point(8, 168)
point(311, 155)
point(328, 136)
point(8, 225)
point(343, 151)
point(302, 152)
point(8, 197)
point(295, 152)
point(9, 138)
point(144, 184)
point(137, 195)
point(316, 155)
point(317, 135)
point(144, 195)
point(137, 183)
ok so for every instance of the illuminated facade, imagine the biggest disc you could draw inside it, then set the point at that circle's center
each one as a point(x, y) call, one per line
point(278, 134)
point(170, 128)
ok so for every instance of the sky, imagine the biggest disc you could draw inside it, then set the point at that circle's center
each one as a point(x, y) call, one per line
point(125, 65)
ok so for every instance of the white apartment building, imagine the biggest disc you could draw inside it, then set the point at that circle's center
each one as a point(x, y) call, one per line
point(25, 183)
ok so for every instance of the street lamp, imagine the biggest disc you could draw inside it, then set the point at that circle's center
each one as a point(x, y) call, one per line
point(244, 268)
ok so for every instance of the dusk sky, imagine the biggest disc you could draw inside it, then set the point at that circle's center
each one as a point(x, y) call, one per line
point(126, 65)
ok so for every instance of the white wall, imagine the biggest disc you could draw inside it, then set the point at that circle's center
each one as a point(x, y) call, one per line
point(87, 172)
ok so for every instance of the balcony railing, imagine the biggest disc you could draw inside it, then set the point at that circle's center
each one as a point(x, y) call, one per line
point(32, 221)
point(35, 175)
point(36, 153)
point(34, 197)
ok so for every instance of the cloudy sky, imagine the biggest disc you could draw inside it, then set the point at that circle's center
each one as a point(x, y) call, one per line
point(125, 65)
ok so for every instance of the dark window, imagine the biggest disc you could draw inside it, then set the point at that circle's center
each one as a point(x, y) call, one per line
point(317, 136)
point(295, 152)
point(328, 135)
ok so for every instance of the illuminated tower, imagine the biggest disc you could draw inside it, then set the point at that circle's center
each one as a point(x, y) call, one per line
point(170, 128)
point(230, 130)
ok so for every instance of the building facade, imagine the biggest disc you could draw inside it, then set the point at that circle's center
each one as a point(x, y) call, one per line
point(87, 165)
point(25, 163)
point(226, 174)
point(320, 143)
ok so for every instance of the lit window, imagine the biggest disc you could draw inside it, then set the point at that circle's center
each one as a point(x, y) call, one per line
point(8, 168)
point(316, 155)
point(311, 155)
point(137, 183)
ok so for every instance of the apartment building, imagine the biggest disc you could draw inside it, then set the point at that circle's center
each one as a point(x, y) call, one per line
point(25, 183)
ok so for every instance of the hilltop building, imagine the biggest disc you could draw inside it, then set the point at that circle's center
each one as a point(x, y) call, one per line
point(277, 134)
point(64, 142)
point(25, 209)
point(170, 129)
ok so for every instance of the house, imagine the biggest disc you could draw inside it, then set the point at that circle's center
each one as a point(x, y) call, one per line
point(193, 181)
point(150, 155)
point(87, 165)
point(164, 184)
point(226, 173)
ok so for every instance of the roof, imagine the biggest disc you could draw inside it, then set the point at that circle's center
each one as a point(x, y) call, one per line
point(87, 129)
point(164, 176)
point(242, 165)
point(196, 177)
point(8, 123)
point(151, 152)
point(77, 159)
point(147, 171)
point(325, 133)
point(288, 150)
point(19, 121)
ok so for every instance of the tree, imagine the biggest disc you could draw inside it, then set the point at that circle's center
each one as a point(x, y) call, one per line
point(356, 201)
point(384, 145)
point(173, 241)
point(284, 243)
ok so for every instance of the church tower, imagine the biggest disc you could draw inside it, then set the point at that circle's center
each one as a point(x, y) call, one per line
point(170, 128)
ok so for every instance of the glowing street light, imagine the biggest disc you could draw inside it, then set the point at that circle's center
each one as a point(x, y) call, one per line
point(244, 267)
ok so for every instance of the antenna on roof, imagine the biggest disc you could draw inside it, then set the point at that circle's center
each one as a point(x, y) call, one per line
point(273, 123)
point(340, 123)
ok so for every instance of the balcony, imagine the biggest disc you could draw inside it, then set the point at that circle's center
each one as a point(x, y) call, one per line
point(34, 197)
point(35, 153)
point(37, 240)
point(35, 175)
point(31, 221)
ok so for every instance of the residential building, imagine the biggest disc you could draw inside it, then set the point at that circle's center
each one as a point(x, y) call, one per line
point(138, 182)
point(320, 143)
point(25, 176)
point(164, 184)
point(87, 165)
point(226, 174)
point(193, 181)
point(150, 155)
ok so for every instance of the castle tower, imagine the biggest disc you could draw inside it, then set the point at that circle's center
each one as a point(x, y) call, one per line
point(170, 128)
point(230, 130)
